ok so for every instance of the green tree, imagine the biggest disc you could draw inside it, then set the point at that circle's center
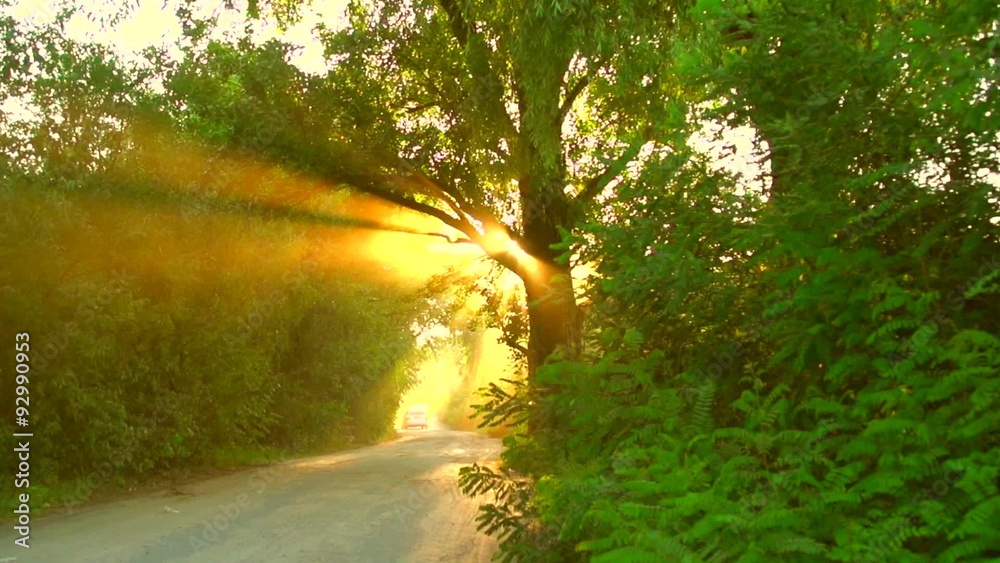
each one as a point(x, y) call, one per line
point(170, 329)
point(801, 367)
point(504, 121)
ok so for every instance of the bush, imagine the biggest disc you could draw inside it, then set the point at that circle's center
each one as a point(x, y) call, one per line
point(174, 361)
point(800, 372)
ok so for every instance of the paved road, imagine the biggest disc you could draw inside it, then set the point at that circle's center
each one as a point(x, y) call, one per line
point(395, 502)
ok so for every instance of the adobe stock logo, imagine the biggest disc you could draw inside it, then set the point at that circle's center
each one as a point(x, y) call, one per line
point(228, 513)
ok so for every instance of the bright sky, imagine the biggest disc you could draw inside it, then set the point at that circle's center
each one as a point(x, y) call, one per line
point(154, 23)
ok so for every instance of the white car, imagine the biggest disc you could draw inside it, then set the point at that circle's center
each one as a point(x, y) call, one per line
point(415, 417)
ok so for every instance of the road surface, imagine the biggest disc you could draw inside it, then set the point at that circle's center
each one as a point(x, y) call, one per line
point(395, 502)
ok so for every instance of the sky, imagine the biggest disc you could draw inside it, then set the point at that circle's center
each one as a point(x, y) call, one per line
point(153, 23)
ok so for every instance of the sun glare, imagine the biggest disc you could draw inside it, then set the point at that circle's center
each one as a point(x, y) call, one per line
point(499, 242)
point(448, 381)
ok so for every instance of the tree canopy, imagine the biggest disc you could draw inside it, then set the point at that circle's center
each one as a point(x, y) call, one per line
point(504, 122)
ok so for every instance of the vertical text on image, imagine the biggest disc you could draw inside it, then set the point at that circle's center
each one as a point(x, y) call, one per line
point(22, 402)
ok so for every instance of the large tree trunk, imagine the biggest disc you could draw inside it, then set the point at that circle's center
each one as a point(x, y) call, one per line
point(552, 315)
point(549, 287)
point(553, 320)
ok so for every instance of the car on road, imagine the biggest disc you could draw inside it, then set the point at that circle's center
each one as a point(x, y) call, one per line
point(415, 417)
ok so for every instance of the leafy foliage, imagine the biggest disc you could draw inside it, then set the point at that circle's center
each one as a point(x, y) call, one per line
point(792, 363)
point(801, 365)
point(170, 328)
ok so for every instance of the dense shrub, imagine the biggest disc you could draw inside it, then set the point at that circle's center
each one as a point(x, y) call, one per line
point(192, 353)
point(188, 306)
point(804, 373)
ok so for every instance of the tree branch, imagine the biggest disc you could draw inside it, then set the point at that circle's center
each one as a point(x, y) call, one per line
point(389, 177)
point(571, 95)
point(596, 185)
point(452, 197)
point(401, 200)
point(517, 346)
point(459, 28)
point(421, 107)
point(485, 78)
point(462, 223)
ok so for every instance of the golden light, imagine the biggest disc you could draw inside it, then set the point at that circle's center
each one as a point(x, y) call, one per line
point(498, 242)
point(509, 283)
point(290, 221)
point(389, 244)
point(449, 380)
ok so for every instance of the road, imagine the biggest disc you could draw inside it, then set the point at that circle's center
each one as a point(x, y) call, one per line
point(394, 502)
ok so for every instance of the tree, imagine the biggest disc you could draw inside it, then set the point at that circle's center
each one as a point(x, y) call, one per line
point(505, 122)
point(169, 330)
point(806, 376)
